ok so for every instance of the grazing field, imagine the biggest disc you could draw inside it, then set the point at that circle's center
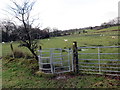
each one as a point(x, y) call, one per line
point(92, 38)
point(23, 72)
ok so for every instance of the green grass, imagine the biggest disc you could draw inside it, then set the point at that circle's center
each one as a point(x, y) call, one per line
point(20, 73)
point(92, 38)
point(110, 29)
point(58, 42)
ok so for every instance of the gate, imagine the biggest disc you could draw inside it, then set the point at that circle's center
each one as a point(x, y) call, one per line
point(55, 60)
point(99, 60)
point(93, 60)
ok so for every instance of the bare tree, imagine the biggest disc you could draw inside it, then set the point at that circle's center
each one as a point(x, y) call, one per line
point(22, 12)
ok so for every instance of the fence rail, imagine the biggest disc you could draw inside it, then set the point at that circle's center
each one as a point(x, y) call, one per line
point(55, 60)
point(74, 60)
point(99, 65)
point(101, 47)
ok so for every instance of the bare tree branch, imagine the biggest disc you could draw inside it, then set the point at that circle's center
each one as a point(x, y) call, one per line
point(22, 13)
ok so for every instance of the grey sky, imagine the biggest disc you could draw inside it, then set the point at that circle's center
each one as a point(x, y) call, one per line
point(68, 14)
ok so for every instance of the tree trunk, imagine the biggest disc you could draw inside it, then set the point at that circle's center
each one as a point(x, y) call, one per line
point(35, 55)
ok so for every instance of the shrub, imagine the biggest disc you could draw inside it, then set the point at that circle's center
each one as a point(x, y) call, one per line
point(19, 54)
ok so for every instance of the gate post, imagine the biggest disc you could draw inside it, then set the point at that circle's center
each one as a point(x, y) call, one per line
point(11, 46)
point(75, 57)
point(40, 48)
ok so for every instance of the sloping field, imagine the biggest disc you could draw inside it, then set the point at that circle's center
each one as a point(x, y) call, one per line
point(92, 38)
point(22, 72)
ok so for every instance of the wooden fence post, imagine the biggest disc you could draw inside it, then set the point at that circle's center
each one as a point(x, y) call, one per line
point(75, 57)
point(40, 48)
point(11, 46)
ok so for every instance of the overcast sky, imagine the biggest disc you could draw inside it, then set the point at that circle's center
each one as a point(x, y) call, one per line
point(68, 14)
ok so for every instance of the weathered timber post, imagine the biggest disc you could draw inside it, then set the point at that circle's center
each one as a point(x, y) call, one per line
point(11, 46)
point(40, 48)
point(75, 57)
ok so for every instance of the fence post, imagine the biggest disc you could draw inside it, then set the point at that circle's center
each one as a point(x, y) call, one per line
point(75, 57)
point(99, 59)
point(40, 48)
point(51, 61)
point(11, 46)
point(39, 58)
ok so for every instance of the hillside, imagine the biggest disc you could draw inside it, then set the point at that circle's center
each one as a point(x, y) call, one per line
point(92, 37)
point(22, 72)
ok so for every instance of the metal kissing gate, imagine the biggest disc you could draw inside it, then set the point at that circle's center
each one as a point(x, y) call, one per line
point(92, 60)
point(55, 60)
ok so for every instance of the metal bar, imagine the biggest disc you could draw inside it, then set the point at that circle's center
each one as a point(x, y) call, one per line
point(87, 53)
point(43, 51)
point(100, 53)
point(101, 47)
point(44, 63)
point(69, 59)
point(51, 61)
point(44, 69)
point(101, 67)
point(101, 59)
point(72, 61)
point(109, 71)
point(57, 62)
point(113, 74)
point(44, 57)
point(61, 57)
point(89, 66)
point(98, 63)
point(110, 53)
point(57, 56)
point(98, 70)
point(43, 54)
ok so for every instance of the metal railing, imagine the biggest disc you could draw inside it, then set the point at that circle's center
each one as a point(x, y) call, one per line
point(94, 64)
point(54, 58)
point(99, 65)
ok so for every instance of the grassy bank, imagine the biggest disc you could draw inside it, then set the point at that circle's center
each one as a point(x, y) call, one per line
point(21, 73)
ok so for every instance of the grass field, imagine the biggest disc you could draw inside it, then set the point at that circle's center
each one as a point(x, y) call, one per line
point(94, 38)
point(22, 73)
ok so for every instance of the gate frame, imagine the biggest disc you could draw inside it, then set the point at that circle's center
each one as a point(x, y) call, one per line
point(51, 50)
point(100, 71)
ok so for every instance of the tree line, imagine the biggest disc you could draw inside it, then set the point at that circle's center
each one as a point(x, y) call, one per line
point(11, 32)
